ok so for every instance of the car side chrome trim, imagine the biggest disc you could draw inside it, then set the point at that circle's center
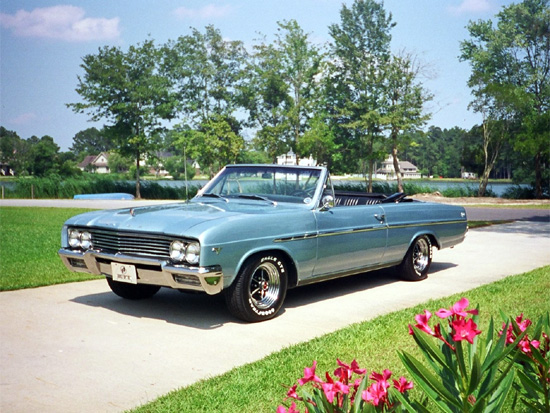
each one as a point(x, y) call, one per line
point(362, 229)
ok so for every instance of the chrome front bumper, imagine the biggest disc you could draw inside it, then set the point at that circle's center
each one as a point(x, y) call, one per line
point(149, 271)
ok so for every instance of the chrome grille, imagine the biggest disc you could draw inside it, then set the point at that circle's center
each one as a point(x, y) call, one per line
point(131, 243)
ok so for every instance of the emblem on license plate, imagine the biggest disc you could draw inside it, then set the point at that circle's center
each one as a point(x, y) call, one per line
point(124, 273)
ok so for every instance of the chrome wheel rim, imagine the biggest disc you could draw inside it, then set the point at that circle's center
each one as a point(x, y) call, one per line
point(421, 255)
point(265, 285)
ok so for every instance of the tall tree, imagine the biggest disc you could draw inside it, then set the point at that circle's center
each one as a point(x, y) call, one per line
point(361, 46)
point(266, 98)
point(405, 102)
point(15, 151)
point(281, 88)
point(91, 141)
point(127, 90)
point(205, 72)
point(511, 78)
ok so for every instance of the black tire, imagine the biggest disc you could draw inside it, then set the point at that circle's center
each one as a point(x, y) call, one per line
point(259, 290)
point(132, 291)
point(417, 261)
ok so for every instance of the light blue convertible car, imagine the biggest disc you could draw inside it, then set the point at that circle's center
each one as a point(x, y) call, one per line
point(253, 232)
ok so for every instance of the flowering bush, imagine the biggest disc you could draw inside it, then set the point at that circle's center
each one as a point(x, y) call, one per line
point(476, 376)
point(350, 390)
point(465, 373)
point(533, 361)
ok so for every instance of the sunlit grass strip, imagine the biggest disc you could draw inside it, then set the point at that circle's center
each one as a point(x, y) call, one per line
point(29, 241)
point(258, 387)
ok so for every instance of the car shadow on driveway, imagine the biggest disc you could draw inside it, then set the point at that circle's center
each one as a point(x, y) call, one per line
point(206, 312)
point(187, 309)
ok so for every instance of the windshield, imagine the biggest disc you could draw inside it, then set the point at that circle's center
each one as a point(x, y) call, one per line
point(265, 182)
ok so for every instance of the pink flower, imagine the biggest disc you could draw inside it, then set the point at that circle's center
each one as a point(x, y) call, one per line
point(402, 385)
point(465, 330)
point(381, 378)
point(522, 324)
point(292, 393)
point(525, 345)
point(376, 393)
point(458, 310)
point(422, 320)
point(332, 388)
point(345, 372)
point(309, 375)
point(292, 409)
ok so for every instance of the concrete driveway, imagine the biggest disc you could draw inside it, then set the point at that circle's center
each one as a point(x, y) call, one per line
point(78, 347)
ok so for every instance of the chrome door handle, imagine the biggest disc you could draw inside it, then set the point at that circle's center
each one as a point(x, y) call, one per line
point(380, 218)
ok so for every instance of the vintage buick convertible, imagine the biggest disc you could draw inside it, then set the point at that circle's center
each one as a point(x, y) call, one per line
point(253, 232)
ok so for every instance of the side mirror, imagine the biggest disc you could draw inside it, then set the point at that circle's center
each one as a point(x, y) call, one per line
point(327, 202)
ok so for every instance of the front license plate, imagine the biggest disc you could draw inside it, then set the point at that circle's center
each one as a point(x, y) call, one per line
point(124, 273)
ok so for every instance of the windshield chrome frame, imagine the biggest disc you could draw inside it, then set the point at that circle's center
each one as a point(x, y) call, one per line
point(318, 189)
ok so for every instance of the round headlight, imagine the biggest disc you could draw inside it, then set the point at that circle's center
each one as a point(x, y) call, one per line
point(177, 251)
point(192, 253)
point(74, 238)
point(86, 240)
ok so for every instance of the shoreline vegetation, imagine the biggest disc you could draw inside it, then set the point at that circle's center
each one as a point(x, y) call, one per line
point(56, 187)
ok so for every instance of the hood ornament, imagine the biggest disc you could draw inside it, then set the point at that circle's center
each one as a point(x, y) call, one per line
point(132, 212)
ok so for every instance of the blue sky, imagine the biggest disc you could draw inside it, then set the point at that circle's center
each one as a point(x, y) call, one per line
point(42, 43)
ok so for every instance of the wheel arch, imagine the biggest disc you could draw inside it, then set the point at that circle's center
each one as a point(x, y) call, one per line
point(289, 261)
point(431, 236)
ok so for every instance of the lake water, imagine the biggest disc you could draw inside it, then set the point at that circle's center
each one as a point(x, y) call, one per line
point(437, 185)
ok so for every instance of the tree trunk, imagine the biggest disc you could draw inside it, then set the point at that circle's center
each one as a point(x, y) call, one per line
point(490, 159)
point(397, 170)
point(138, 183)
point(538, 176)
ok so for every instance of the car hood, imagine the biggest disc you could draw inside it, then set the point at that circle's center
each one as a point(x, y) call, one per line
point(177, 218)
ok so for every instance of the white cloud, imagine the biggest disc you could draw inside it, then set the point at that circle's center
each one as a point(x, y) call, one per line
point(60, 22)
point(472, 7)
point(207, 12)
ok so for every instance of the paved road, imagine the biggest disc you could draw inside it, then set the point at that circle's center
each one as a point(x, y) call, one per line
point(78, 347)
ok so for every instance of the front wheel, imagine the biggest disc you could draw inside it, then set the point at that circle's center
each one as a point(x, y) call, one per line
point(132, 291)
point(417, 261)
point(259, 290)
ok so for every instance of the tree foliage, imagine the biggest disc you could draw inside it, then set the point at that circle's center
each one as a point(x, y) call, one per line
point(361, 46)
point(127, 90)
point(510, 80)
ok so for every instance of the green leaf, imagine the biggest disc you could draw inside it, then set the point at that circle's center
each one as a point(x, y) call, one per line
point(475, 374)
point(499, 396)
point(530, 386)
point(429, 349)
point(430, 383)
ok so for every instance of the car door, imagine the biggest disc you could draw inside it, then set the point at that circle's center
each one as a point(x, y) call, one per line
point(349, 238)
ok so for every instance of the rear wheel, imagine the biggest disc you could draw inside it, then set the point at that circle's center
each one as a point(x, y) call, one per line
point(259, 290)
point(417, 261)
point(132, 291)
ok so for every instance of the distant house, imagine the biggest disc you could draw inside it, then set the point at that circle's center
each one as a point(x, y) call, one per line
point(469, 175)
point(290, 158)
point(387, 171)
point(96, 163)
point(5, 170)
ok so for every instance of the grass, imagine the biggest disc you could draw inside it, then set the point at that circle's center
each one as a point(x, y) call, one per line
point(259, 386)
point(29, 241)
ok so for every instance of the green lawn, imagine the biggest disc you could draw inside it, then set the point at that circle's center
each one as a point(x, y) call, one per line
point(29, 241)
point(259, 386)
